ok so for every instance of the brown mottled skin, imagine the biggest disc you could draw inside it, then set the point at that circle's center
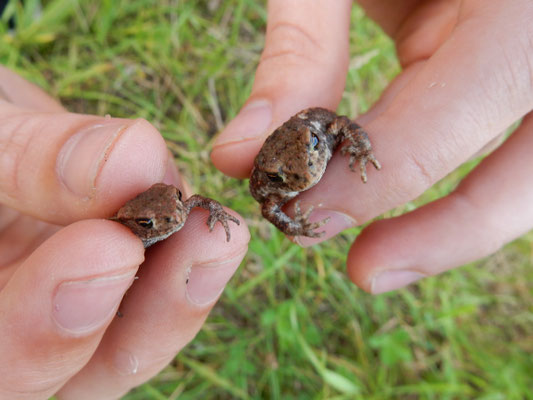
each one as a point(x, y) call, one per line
point(294, 158)
point(158, 212)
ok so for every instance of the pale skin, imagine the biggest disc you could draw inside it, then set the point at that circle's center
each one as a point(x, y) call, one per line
point(61, 281)
point(422, 147)
point(466, 77)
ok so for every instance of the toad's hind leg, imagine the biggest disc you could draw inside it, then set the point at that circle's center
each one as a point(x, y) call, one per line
point(307, 226)
point(299, 226)
point(216, 212)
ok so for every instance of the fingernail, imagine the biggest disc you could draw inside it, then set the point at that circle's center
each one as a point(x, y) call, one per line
point(391, 280)
point(125, 362)
point(83, 306)
point(338, 222)
point(251, 122)
point(84, 153)
point(207, 281)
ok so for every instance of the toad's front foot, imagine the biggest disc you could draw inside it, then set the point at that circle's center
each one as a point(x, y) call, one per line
point(360, 150)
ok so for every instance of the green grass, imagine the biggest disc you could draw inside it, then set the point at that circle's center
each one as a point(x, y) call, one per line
point(290, 325)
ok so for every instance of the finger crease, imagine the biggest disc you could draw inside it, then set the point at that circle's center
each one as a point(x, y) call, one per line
point(484, 223)
point(422, 172)
point(293, 42)
point(286, 54)
point(10, 155)
point(280, 26)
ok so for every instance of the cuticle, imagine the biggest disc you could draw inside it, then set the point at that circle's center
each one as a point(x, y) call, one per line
point(101, 278)
point(104, 155)
point(205, 264)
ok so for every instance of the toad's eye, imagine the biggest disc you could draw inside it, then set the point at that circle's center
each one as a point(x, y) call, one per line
point(314, 141)
point(275, 177)
point(179, 195)
point(145, 222)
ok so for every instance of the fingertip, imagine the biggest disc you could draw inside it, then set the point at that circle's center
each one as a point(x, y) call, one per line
point(103, 243)
point(251, 122)
point(237, 145)
point(137, 159)
point(66, 167)
point(381, 258)
point(178, 285)
point(86, 268)
point(361, 259)
point(200, 262)
point(336, 223)
point(22, 93)
point(303, 65)
point(236, 159)
point(417, 40)
point(196, 247)
point(59, 302)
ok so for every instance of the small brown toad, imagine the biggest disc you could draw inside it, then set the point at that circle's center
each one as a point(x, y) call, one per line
point(159, 212)
point(294, 158)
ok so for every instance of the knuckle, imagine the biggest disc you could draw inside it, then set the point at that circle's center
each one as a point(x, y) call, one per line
point(490, 230)
point(28, 383)
point(291, 43)
point(15, 137)
point(529, 61)
point(417, 177)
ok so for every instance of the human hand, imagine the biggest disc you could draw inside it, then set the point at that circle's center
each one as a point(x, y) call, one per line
point(467, 76)
point(60, 287)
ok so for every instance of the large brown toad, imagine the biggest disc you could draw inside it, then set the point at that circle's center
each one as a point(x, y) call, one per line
point(294, 158)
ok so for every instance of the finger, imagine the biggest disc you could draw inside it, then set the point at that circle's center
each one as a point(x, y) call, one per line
point(460, 100)
point(304, 64)
point(62, 167)
point(491, 207)
point(418, 27)
point(389, 14)
point(19, 237)
point(427, 27)
point(177, 287)
point(173, 177)
point(22, 93)
point(57, 305)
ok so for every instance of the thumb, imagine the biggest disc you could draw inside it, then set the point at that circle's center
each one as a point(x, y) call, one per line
point(58, 304)
point(304, 64)
point(61, 167)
